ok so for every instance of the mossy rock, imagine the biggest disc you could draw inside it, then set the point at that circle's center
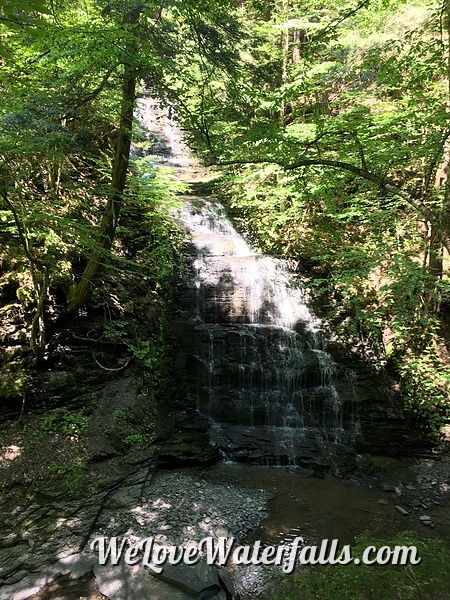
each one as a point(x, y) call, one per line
point(59, 380)
point(13, 380)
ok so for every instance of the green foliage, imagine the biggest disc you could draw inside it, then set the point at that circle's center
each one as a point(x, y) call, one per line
point(367, 88)
point(128, 434)
point(14, 379)
point(145, 352)
point(18, 16)
point(426, 385)
point(69, 424)
point(115, 330)
point(274, 82)
point(150, 235)
point(152, 244)
point(429, 580)
point(59, 117)
point(72, 477)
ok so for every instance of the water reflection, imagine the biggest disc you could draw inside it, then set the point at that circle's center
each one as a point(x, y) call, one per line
point(318, 509)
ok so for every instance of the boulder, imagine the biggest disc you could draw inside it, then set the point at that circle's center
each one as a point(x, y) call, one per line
point(200, 581)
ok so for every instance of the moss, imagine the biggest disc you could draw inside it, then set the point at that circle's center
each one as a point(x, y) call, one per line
point(58, 380)
point(13, 379)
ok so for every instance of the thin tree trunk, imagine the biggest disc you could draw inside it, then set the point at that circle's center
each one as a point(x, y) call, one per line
point(83, 291)
point(38, 336)
point(285, 57)
point(40, 278)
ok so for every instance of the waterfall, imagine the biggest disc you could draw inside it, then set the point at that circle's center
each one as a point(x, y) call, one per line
point(252, 351)
point(258, 366)
point(158, 126)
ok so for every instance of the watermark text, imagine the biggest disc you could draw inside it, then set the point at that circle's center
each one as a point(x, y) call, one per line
point(220, 551)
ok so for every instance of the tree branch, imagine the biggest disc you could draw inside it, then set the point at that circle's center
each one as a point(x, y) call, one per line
point(433, 165)
point(124, 366)
point(92, 95)
point(334, 24)
point(381, 182)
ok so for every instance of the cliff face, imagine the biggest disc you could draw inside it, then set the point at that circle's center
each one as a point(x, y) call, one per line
point(104, 392)
point(238, 344)
point(255, 361)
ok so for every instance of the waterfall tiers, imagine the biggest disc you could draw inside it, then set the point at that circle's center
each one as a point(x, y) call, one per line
point(259, 368)
point(251, 354)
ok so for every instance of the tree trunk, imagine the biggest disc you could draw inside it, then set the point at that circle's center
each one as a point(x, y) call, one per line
point(285, 58)
point(38, 337)
point(40, 278)
point(82, 293)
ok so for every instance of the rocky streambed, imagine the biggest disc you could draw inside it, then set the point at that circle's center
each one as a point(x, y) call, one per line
point(180, 506)
point(45, 551)
point(51, 536)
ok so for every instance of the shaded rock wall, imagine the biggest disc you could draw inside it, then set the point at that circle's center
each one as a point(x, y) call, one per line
point(254, 360)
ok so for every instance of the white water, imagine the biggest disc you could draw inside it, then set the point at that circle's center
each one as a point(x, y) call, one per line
point(258, 367)
point(262, 374)
point(262, 291)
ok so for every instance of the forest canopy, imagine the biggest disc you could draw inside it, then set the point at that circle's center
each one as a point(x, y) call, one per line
point(329, 125)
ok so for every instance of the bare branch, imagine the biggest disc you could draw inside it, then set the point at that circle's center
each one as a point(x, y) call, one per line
point(112, 370)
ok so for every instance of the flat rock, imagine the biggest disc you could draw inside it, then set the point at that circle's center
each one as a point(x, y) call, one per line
point(124, 582)
point(402, 510)
point(201, 580)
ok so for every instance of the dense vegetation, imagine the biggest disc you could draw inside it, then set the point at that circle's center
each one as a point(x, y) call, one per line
point(329, 124)
point(336, 137)
point(75, 207)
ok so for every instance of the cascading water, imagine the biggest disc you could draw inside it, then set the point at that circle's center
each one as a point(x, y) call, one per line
point(261, 372)
point(159, 127)
point(252, 349)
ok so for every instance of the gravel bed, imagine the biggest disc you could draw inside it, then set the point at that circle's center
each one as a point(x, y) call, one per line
point(183, 506)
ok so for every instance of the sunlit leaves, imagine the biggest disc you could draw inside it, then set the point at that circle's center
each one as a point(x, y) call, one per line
point(19, 16)
point(375, 96)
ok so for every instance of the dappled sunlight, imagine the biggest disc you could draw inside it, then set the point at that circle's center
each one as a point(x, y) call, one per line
point(180, 508)
point(9, 454)
point(159, 503)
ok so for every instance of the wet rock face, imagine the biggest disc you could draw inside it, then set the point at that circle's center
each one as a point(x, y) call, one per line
point(253, 359)
point(187, 444)
point(252, 356)
point(248, 375)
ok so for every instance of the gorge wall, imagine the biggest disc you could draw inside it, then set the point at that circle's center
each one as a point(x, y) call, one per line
point(255, 362)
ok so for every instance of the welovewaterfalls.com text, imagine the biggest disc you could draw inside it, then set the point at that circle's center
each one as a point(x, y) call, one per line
point(223, 550)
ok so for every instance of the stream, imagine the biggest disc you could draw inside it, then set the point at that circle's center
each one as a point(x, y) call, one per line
point(299, 506)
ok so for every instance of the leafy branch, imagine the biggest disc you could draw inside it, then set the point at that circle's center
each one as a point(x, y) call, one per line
point(381, 181)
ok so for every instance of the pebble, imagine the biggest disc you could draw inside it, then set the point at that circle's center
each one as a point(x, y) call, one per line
point(182, 508)
point(401, 510)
